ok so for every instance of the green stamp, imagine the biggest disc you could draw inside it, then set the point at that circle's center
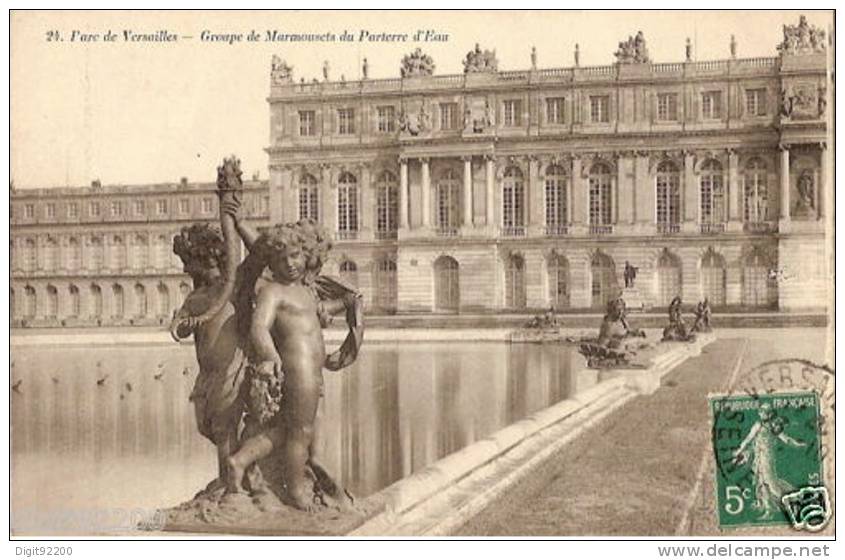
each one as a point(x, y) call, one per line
point(769, 460)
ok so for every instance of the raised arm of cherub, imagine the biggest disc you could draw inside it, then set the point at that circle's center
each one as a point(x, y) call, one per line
point(248, 234)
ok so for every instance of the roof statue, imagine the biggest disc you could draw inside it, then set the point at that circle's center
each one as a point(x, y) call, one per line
point(802, 38)
point(417, 63)
point(280, 71)
point(632, 51)
point(480, 61)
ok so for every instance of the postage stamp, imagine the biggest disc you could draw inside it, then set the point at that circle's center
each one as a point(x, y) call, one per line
point(769, 461)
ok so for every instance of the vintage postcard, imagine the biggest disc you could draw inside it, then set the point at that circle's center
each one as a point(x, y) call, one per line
point(422, 273)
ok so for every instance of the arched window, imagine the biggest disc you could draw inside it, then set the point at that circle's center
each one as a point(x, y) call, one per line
point(97, 258)
point(603, 283)
point(118, 253)
point(446, 284)
point(96, 301)
point(558, 270)
point(163, 301)
point(30, 302)
point(162, 250)
point(141, 249)
point(119, 302)
point(140, 300)
point(387, 205)
point(755, 203)
point(309, 198)
point(668, 278)
point(600, 195)
point(668, 184)
point(347, 203)
point(349, 273)
point(557, 186)
point(513, 199)
point(51, 254)
point(385, 283)
point(712, 193)
point(515, 282)
point(52, 310)
point(30, 255)
point(75, 305)
point(448, 201)
point(758, 286)
point(713, 278)
point(74, 254)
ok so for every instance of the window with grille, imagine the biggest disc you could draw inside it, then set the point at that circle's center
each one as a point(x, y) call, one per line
point(140, 300)
point(116, 208)
point(556, 196)
point(712, 193)
point(119, 303)
point(163, 301)
point(385, 293)
point(29, 211)
point(555, 110)
point(184, 206)
point(600, 108)
point(140, 207)
point(668, 278)
point(52, 302)
point(667, 107)
point(558, 271)
point(74, 254)
point(386, 118)
point(96, 301)
point(94, 208)
point(515, 283)
point(207, 205)
point(668, 184)
point(711, 104)
point(387, 203)
point(755, 195)
point(513, 112)
point(161, 207)
point(72, 210)
point(118, 253)
point(29, 302)
point(97, 257)
point(513, 199)
point(758, 288)
point(306, 123)
point(713, 278)
point(346, 121)
point(448, 201)
point(51, 254)
point(347, 203)
point(30, 255)
point(448, 116)
point(75, 307)
point(755, 102)
point(600, 195)
point(51, 210)
point(308, 198)
point(141, 251)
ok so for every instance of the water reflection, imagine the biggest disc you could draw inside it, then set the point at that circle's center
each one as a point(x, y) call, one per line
point(112, 427)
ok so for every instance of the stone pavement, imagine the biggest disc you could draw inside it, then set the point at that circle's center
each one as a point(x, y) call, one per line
point(632, 473)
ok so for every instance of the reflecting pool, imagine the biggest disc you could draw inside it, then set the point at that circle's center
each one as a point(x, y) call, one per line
point(111, 427)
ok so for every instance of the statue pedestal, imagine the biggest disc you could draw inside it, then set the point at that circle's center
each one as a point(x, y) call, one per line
point(633, 299)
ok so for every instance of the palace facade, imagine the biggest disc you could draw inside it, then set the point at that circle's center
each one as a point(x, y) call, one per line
point(495, 190)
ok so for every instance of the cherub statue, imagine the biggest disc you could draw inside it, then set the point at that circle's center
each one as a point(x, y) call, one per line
point(702, 317)
point(677, 329)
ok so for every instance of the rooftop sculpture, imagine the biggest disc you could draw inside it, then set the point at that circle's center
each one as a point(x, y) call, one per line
point(417, 63)
point(802, 38)
point(632, 51)
point(480, 61)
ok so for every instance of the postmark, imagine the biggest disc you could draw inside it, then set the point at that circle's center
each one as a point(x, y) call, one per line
point(769, 442)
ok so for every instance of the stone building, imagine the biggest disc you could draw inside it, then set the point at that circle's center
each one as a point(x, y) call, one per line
point(501, 190)
point(103, 255)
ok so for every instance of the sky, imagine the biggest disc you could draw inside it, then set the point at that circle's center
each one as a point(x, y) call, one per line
point(133, 113)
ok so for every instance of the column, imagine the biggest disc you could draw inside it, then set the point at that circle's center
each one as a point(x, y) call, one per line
point(489, 177)
point(825, 187)
point(579, 203)
point(535, 194)
point(426, 192)
point(784, 183)
point(690, 199)
point(467, 191)
point(367, 208)
point(734, 187)
point(403, 193)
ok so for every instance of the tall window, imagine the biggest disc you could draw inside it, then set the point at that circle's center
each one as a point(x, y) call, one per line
point(758, 287)
point(52, 310)
point(557, 182)
point(448, 116)
point(29, 211)
point(116, 208)
point(94, 209)
point(308, 198)
point(96, 301)
point(51, 254)
point(97, 258)
point(118, 253)
point(118, 301)
point(668, 194)
point(141, 256)
point(140, 300)
point(600, 195)
point(448, 201)
point(386, 118)
point(30, 302)
point(713, 278)
point(51, 210)
point(184, 206)
point(349, 273)
point(306, 123)
point(163, 301)
point(755, 206)
point(512, 112)
point(602, 280)
point(387, 204)
point(347, 203)
point(513, 199)
point(385, 284)
point(755, 102)
point(558, 271)
point(72, 210)
point(74, 254)
point(599, 108)
point(515, 282)
point(668, 278)
point(555, 110)
point(75, 307)
point(30, 255)
point(346, 121)
point(712, 193)
point(446, 284)
point(161, 207)
point(140, 207)
point(667, 107)
point(207, 205)
point(711, 105)
point(162, 250)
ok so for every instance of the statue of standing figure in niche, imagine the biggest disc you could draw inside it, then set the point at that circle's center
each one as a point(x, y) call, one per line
point(806, 205)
